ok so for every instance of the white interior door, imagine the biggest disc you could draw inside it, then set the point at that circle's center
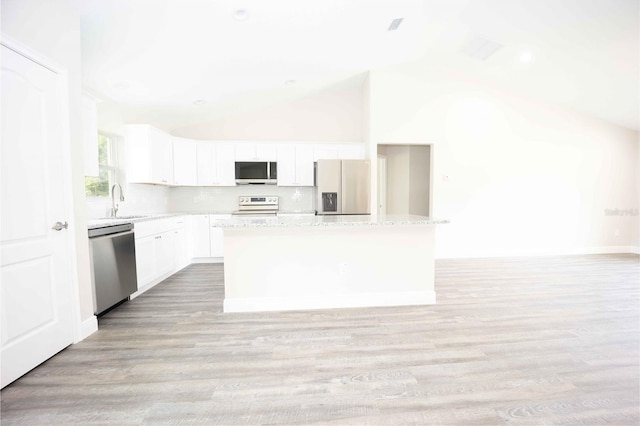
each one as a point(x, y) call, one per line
point(382, 185)
point(35, 288)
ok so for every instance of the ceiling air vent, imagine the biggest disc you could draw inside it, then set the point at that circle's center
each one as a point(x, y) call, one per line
point(480, 48)
point(395, 24)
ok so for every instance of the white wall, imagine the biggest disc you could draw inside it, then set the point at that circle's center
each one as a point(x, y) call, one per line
point(419, 179)
point(52, 29)
point(524, 177)
point(333, 115)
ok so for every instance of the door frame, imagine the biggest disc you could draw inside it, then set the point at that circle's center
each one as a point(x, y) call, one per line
point(80, 330)
point(381, 203)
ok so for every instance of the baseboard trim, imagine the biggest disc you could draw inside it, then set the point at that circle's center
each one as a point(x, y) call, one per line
point(261, 304)
point(87, 328)
point(540, 252)
point(207, 260)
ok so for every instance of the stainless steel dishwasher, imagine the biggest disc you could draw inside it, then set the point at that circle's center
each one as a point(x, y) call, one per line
point(113, 265)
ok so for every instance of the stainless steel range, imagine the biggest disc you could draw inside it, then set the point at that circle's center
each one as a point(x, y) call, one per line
point(257, 206)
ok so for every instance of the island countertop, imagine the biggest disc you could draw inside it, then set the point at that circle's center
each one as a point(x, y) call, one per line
point(284, 220)
point(295, 221)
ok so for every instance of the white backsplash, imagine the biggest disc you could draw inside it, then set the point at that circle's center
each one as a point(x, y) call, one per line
point(225, 199)
point(150, 199)
point(138, 199)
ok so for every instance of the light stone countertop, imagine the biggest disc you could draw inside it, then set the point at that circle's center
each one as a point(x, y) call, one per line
point(284, 220)
point(298, 221)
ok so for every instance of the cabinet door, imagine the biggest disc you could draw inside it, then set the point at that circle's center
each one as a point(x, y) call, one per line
point(145, 260)
point(251, 151)
point(245, 151)
point(199, 235)
point(137, 153)
point(286, 165)
point(205, 164)
point(165, 260)
point(161, 156)
point(304, 165)
point(225, 169)
point(217, 242)
point(266, 152)
point(351, 151)
point(325, 151)
point(185, 172)
point(180, 247)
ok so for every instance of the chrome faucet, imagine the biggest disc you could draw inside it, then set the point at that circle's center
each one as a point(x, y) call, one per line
point(114, 206)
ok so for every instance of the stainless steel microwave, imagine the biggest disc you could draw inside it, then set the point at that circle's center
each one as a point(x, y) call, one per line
point(256, 172)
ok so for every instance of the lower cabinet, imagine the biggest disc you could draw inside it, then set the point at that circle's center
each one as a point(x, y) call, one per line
point(166, 245)
point(161, 250)
point(206, 237)
point(217, 241)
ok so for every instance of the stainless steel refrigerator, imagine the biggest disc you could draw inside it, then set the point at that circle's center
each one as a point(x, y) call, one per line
point(342, 187)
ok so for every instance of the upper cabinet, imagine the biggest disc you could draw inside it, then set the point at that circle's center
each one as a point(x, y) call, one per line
point(154, 156)
point(184, 160)
point(351, 151)
point(215, 164)
point(250, 151)
point(342, 151)
point(149, 155)
point(295, 165)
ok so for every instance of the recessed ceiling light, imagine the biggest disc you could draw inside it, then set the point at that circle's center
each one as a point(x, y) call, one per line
point(290, 82)
point(241, 14)
point(395, 24)
point(199, 102)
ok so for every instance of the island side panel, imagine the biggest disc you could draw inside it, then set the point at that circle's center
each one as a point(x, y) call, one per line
point(327, 267)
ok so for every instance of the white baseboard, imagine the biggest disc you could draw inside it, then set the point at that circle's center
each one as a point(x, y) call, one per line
point(207, 260)
point(538, 252)
point(86, 329)
point(260, 304)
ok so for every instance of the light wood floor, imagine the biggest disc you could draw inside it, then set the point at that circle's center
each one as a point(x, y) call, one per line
point(526, 341)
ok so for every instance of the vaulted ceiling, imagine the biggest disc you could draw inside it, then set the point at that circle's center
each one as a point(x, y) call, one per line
point(181, 62)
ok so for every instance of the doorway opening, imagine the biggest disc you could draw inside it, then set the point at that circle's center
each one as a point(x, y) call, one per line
point(404, 179)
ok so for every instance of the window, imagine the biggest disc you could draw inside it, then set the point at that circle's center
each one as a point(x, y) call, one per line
point(107, 167)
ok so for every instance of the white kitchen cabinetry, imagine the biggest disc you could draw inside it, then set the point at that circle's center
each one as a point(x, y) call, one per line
point(161, 250)
point(206, 237)
point(217, 241)
point(250, 151)
point(215, 164)
point(184, 162)
point(351, 151)
point(216, 236)
point(342, 151)
point(199, 236)
point(149, 155)
point(295, 165)
point(325, 151)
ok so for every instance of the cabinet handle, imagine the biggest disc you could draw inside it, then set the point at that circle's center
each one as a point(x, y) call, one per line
point(158, 237)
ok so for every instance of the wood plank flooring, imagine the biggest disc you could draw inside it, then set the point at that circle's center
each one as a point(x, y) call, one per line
point(519, 341)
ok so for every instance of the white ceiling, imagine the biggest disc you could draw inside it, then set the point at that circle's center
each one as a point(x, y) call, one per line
point(156, 57)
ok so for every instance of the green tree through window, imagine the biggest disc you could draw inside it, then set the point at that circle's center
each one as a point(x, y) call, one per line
point(98, 186)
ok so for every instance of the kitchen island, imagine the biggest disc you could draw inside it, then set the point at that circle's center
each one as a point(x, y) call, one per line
point(318, 262)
